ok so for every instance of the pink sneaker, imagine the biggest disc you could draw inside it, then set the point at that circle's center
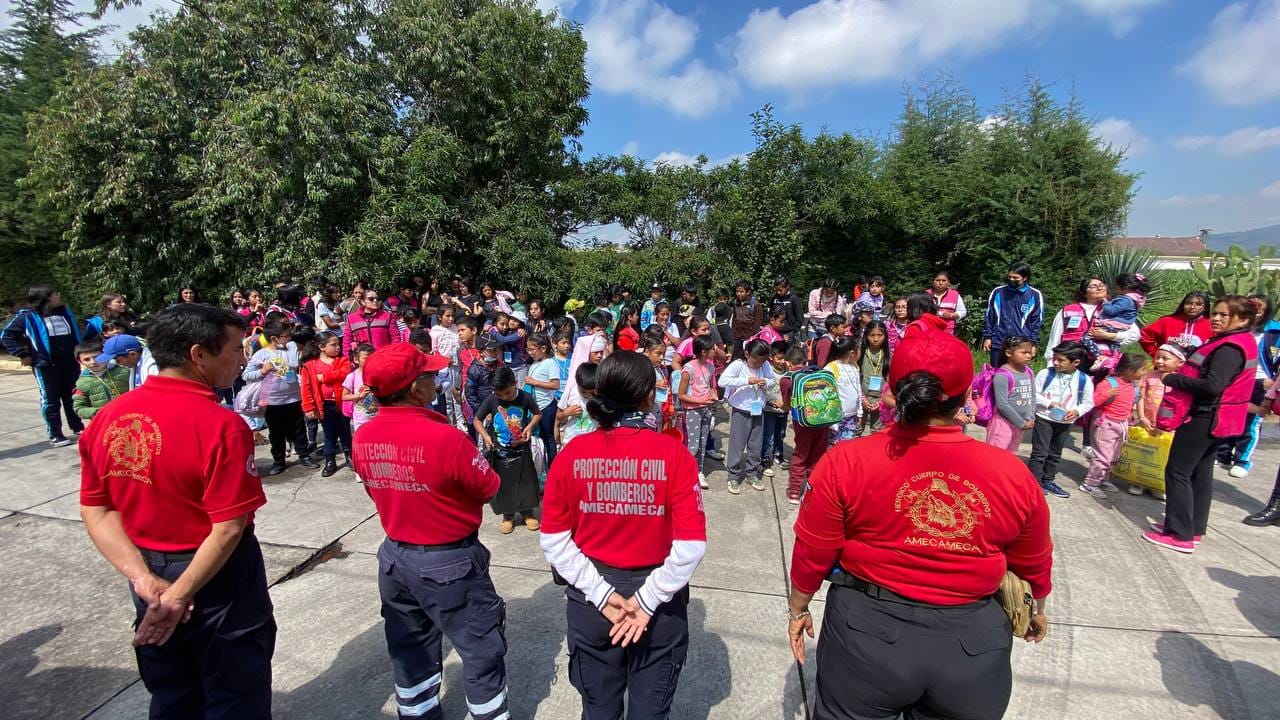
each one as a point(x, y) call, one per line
point(1169, 541)
point(1159, 528)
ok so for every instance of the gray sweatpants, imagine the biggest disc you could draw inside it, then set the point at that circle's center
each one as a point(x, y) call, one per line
point(698, 422)
point(746, 436)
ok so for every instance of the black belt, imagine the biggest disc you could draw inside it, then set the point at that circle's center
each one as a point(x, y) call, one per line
point(467, 541)
point(871, 590)
point(633, 572)
point(156, 556)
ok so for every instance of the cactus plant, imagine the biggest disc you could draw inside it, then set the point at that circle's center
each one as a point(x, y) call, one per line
point(1236, 272)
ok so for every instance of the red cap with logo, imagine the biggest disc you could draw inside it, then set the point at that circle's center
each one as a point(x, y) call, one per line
point(936, 352)
point(392, 368)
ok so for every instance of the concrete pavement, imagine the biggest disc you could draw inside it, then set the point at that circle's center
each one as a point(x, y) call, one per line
point(1136, 631)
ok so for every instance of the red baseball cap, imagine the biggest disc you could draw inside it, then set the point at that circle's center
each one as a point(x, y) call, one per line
point(393, 367)
point(937, 352)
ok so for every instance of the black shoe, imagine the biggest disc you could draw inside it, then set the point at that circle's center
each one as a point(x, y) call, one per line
point(330, 467)
point(276, 468)
point(348, 457)
point(307, 462)
point(1269, 515)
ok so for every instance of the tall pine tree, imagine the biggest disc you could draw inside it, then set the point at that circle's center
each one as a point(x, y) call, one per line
point(43, 43)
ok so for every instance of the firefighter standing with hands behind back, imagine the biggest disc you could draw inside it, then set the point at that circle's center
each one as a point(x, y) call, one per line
point(429, 485)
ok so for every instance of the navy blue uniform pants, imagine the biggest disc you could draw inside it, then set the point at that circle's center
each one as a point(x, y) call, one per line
point(217, 664)
point(881, 659)
point(646, 672)
point(430, 594)
point(57, 384)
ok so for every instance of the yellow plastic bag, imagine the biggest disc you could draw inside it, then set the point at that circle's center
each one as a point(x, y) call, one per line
point(1142, 459)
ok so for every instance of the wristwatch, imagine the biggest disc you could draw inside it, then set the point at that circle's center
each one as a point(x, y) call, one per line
point(796, 617)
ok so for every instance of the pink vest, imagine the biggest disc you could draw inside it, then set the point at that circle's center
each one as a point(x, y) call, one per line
point(1074, 314)
point(1233, 406)
point(950, 301)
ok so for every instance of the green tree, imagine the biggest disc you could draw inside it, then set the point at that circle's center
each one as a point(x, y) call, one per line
point(37, 51)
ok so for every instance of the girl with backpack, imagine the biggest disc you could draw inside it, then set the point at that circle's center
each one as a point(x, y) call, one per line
point(1114, 397)
point(1013, 395)
point(844, 368)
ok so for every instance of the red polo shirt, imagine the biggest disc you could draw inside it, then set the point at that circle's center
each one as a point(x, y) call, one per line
point(626, 494)
point(928, 513)
point(172, 461)
point(428, 482)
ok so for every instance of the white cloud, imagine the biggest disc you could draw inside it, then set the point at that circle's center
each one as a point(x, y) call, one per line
point(1238, 61)
point(675, 158)
point(124, 20)
point(1244, 141)
point(1209, 199)
point(560, 6)
point(1122, 135)
point(1271, 191)
point(643, 48)
point(1122, 15)
point(632, 148)
point(857, 41)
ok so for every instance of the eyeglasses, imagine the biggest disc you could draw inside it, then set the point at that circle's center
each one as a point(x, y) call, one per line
point(371, 297)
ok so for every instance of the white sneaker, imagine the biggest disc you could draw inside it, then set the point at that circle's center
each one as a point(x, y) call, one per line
point(1135, 489)
point(768, 472)
point(702, 482)
point(1088, 453)
point(1109, 486)
point(1239, 471)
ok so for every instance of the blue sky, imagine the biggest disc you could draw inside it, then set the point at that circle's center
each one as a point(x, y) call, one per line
point(1191, 87)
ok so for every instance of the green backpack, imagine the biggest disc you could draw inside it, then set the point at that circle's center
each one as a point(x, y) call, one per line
point(815, 403)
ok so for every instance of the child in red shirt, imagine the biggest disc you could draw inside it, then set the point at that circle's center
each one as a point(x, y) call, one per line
point(1115, 397)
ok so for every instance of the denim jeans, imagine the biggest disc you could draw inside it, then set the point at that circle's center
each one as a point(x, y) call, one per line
point(775, 429)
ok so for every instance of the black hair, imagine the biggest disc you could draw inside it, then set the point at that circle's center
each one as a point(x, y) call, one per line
point(876, 325)
point(1022, 269)
point(1072, 350)
point(842, 346)
point(623, 381)
point(703, 344)
point(470, 322)
point(797, 356)
point(451, 309)
point(781, 280)
point(941, 272)
point(744, 284)
point(601, 299)
point(195, 294)
point(831, 284)
point(651, 342)
point(311, 350)
point(1268, 311)
point(276, 316)
point(408, 312)
point(1204, 298)
point(1011, 343)
point(920, 304)
point(289, 296)
point(120, 325)
point(597, 319)
point(88, 346)
point(559, 335)
point(585, 376)
point(276, 328)
point(502, 378)
point(420, 338)
point(1129, 361)
point(696, 322)
point(562, 325)
point(920, 399)
point(539, 340)
point(360, 348)
point(38, 297)
point(875, 279)
point(660, 307)
point(1132, 282)
point(690, 288)
point(756, 349)
point(779, 347)
point(654, 332)
point(777, 312)
point(833, 320)
point(172, 333)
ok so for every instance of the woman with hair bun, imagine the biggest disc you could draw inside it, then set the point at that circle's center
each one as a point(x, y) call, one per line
point(920, 523)
point(623, 528)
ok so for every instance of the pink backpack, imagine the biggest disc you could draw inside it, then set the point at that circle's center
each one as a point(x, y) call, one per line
point(984, 392)
point(1175, 408)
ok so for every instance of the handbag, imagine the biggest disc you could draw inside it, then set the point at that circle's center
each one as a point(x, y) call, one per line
point(1014, 596)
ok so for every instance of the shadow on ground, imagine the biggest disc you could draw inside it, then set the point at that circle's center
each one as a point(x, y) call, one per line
point(1195, 675)
point(26, 690)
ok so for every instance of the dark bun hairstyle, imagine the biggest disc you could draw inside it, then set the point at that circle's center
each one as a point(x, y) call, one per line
point(920, 399)
point(624, 382)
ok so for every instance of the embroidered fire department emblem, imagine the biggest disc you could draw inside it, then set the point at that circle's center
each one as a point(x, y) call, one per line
point(133, 442)
point(938, 510)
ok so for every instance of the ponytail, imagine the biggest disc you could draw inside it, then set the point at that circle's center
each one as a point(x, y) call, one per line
point(920, 399)
point(624, 382)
